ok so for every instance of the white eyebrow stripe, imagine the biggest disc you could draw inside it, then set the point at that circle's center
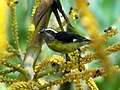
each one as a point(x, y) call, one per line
point(51, 30)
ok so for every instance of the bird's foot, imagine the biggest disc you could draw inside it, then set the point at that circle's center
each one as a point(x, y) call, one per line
point(56, 66)
point(67, 58)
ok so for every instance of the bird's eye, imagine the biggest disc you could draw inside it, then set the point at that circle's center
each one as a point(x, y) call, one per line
point(49, 31)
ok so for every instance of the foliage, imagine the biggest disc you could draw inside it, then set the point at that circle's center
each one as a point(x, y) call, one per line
point(27, 63)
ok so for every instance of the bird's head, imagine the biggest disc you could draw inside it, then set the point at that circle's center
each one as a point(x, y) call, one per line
point(48, 30)
point(48, 34)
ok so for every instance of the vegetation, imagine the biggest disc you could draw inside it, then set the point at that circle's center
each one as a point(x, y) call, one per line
point(26, 63)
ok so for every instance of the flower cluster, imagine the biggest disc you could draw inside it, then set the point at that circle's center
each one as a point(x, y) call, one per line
point(74, 72)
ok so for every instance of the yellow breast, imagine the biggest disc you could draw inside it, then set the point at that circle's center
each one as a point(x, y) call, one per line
point(58, 46)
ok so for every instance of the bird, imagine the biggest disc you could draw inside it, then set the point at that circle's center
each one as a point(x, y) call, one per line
point(62, 41)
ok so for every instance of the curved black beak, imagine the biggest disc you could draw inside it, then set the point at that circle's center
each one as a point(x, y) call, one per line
point(88, 41)
point(42, 31)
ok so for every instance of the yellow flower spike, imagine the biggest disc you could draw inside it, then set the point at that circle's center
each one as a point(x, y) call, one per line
point(74, 70)
point(85, 48)
point(109, 32)
point(111, 49)
point(10, 52)
point(91, 84)
point(73, 13)
point(85, 75)
point(78, 83)
point(30, 34)
point(7, 55)
point(4, 72)
point(53, 59)
point(88, 58)
point(32, 27)
point(14, 66)
point(89, 22)
point(11, 3)
point(18, 65)
point(74, 55)
point(22, 86)
point(41, 82)
point(8, 80)
point(48, 88)
point(14, 23)
point(56, 59)
point(37, 2)
point(42, 65)
point(3, 24)
point(81, 66)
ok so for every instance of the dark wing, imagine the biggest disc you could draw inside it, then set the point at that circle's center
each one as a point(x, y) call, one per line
point(68, 37)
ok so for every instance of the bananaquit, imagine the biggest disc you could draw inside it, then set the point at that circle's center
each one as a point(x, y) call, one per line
point(63, 42)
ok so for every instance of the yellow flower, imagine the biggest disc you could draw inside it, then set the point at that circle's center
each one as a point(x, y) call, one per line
point(3, 23)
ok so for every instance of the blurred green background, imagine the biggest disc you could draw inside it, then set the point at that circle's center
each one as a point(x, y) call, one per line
point(106, 12)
